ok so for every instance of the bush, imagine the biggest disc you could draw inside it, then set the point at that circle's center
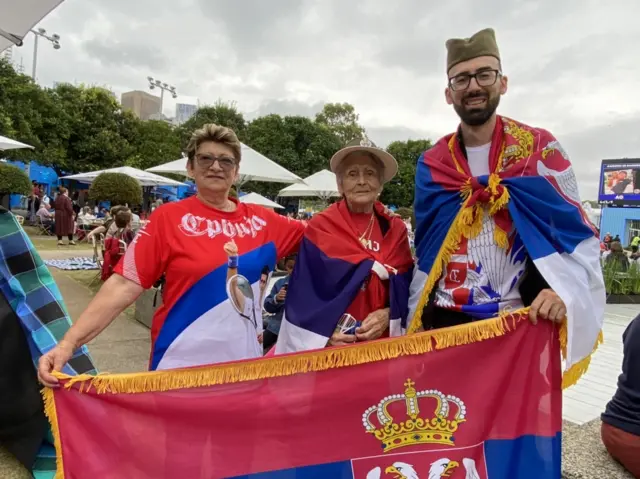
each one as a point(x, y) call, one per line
point(13, 180)
point(117, 188)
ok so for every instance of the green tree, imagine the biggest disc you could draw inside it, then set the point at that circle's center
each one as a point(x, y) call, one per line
point(117, 188)
point(220, 113)
point(400, 190)
point(27, 114)
point(342, 120)
point(296, 143)
point(91, 124)
point(152, 142)
point(13, 180)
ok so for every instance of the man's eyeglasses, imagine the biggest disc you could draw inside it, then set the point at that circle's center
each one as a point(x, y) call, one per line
point(206, 161)
point(483, 78)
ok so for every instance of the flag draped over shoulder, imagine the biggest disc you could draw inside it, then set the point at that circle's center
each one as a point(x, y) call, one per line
point(533, 188)
point(399, 407)
point(332, 266)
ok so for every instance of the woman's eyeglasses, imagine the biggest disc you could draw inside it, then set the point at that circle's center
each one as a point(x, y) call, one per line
point(206, 161)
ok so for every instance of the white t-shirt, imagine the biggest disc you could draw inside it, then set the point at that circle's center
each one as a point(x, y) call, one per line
point(478, 157)
point(481, 278)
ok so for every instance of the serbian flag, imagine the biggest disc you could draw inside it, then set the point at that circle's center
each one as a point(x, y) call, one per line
point(532, 190)
point(333, 266)
point(411, 407)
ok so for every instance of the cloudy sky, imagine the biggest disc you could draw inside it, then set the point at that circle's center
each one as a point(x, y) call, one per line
point(573, 65)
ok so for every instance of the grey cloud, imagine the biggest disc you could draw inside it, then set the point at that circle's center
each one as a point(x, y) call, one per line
point(383, 136)
point(116, 54)
point(256, 26)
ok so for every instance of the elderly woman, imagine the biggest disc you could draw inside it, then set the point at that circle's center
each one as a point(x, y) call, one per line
point(354, 262)
point(196, 324)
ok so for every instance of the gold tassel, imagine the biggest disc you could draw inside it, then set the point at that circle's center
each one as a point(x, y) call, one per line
point(472, 227)
point(500, 237)
point(466, 189)
point(575, 372)
point(52, 415)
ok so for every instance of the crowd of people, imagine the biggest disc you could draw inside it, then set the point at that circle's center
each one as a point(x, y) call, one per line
point(351, 275)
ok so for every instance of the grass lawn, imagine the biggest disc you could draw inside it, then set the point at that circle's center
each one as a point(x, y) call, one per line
point(50, 243)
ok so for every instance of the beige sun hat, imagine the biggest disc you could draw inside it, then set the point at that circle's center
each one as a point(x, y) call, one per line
point(365, 145)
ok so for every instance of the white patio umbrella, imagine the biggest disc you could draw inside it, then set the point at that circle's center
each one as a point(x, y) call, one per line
point(256, 199)
point(322, 184)
point(9, 144)
point(254, 167)
point(18, 18)
point(144, 177)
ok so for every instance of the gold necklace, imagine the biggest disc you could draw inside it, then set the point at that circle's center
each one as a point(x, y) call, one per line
point(367, 233)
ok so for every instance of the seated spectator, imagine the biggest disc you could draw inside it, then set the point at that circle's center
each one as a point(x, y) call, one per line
point(634, 253)
point(85, 217)
point(44, 214)
point(621, 418)
point(109, 227)
point(617, 258)
point(123, 224)
point(274, 304)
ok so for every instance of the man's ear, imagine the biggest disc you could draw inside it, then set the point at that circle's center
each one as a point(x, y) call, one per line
point(504, 83)
point(447, 96)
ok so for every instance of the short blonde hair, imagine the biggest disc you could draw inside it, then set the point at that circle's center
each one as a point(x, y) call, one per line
point(217, 134)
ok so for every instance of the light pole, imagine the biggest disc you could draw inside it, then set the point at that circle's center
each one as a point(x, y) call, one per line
point(41, 32)
point(154, 83)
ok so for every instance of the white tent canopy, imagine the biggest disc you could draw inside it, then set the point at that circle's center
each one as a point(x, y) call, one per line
point(256, 199)
point(144, 177)
point(18, 18)
point(322, 184)
point(253, 167)
point(9, 144)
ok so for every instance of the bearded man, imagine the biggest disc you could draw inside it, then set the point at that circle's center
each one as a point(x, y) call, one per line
point(499, 226)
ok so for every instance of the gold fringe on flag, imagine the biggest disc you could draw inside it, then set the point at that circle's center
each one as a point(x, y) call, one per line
point(52, 415)
point(575, 372)
point(289, 364)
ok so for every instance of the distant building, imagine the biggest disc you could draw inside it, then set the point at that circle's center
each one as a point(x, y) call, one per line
point(141, 103)
point(184, 111)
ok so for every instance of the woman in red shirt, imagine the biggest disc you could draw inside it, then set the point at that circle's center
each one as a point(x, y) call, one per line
point(183, 241)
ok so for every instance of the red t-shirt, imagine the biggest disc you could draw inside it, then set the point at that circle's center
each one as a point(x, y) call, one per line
point(364, 303)
point(196, 324)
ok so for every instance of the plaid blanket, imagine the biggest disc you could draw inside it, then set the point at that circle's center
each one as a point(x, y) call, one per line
point(33, 294)
point(72, 264)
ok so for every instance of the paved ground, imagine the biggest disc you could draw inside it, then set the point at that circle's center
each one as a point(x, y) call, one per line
point(586, 400)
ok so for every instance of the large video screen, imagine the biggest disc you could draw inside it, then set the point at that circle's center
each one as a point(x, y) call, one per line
point(620, 182)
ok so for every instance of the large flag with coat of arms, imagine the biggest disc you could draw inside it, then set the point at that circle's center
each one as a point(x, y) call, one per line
point(478, 401)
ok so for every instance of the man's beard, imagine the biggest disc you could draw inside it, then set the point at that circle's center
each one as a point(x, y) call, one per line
point(474, 116)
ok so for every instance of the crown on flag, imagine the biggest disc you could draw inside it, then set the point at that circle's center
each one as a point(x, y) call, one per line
point(417, 429)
